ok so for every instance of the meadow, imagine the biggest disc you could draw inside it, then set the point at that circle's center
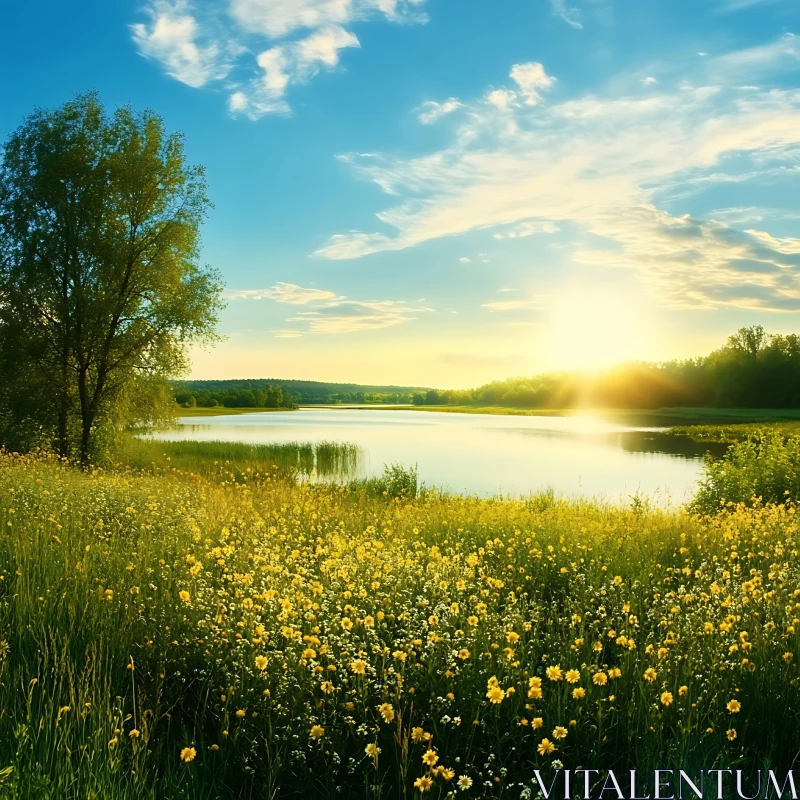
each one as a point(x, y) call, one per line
point(186, 626)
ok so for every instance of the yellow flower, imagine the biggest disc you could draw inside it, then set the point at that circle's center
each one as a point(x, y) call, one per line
point(464, 783)
point(787, 657)
point(186, 597)
point(734, 706)
point(599, 679)
point(512, 637)
point(666, 698)
point(358, 666)
point(386, 711)
point(683, 691)
point(240, 713)
point(496, 695)
point(463, 654)
point(559, 732)
point(572, 676)
point(473, 620)
point(423, 784)
point(399, 655)
point(372, 750)
point(579, 693)
point(545, 747)
point(537, 723)
point(317, 731)
point(650, 674)
point(327, 687)
point(554, 673)
point(135, 734)
point(188, 754)
point(430, 758)
point(419, 735)
point(261, 662)
point(731, 734)
point(347, 623)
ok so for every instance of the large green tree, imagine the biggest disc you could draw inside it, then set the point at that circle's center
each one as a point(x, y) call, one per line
point(101, 290)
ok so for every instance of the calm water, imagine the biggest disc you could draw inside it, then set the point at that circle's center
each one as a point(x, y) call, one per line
point(484, 454)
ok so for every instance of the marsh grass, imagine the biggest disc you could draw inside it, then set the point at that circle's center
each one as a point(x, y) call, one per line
point(325, 460)
point(272, 629)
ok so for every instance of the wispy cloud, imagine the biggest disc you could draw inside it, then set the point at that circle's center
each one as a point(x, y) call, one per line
point(329, 312)
point(513, 305)
point(174, 37)
point(432, 111)
point(281, 43)
point(570, 15)
point(740, 5)
point(600, 162)
point(350, 316)
point(529, 229)
point(281, 292)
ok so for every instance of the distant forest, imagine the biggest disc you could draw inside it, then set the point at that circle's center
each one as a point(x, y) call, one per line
point(753, 369)
point(279, 393)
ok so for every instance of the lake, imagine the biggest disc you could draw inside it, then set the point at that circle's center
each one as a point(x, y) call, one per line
point(484, 454)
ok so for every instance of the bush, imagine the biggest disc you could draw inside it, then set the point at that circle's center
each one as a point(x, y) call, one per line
point(766, 466)
point(396, 481)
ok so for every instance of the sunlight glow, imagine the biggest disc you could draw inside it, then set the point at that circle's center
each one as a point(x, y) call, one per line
point(592, 327)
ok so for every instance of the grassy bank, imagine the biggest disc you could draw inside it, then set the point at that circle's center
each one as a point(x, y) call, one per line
point(656, 417)
point(220, 411)
point(173, 633)
point(237, 460)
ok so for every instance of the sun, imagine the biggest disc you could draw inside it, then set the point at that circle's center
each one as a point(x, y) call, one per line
point(591, 328)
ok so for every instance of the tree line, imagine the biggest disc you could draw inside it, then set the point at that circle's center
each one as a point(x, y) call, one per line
point(281, 393)
point(753, 369)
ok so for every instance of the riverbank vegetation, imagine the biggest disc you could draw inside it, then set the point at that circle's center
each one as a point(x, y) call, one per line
point(276, 393)
point(185, 629)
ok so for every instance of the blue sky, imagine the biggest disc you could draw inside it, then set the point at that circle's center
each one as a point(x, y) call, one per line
point(444, 192)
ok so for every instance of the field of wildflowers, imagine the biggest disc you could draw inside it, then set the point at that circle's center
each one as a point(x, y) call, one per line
point(177, 633)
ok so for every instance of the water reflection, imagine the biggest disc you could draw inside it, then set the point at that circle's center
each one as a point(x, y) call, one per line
point(481, 454)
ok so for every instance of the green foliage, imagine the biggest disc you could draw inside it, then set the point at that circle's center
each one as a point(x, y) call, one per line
point(762, 469)
point(396, 481)
point(277, 393)
point(102, 292)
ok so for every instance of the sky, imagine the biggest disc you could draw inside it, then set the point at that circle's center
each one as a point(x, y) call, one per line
point(448, 192)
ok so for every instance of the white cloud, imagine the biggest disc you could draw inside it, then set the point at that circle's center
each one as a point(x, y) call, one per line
point(648, 81)
point(570, 15)
point(529, 229)
point(329, 312)
point(351, 316)
point(601, 162)
point(282, 66)
point(431, 111)
point(197, 43)
point(513, 305)
point(532, 80)
point(500, 98)
point(287, 334)
point(464, 260)
point(173, 37)
point(282, 293)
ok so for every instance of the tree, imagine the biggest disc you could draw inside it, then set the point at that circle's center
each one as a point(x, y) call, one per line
point(99, 246)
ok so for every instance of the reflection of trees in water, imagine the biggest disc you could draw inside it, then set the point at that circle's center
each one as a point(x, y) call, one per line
point(666, 444)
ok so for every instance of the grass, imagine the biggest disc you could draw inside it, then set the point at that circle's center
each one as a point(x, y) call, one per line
point(657, 417)
point(185, 631)
point(220, 411)
point(236, 460)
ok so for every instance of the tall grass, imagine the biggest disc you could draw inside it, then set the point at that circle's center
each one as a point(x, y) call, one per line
point(167, 634)
point(325, 460)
